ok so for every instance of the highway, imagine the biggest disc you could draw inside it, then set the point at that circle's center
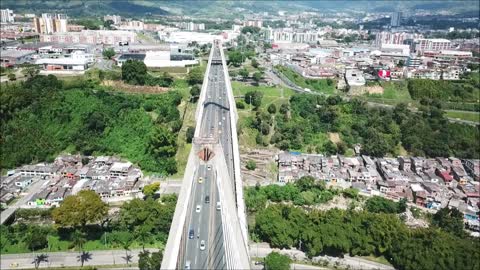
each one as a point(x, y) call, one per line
point(203, 218)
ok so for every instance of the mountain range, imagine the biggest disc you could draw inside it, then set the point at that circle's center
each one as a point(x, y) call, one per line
point(224, 9)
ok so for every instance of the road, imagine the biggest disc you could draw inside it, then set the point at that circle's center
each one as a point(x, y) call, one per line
point(206, 223)
point(104, 64)
point(261, 250)
point(31, 190)
point(61, 259)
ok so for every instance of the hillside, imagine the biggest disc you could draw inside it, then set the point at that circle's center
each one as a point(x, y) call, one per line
point(224, 9)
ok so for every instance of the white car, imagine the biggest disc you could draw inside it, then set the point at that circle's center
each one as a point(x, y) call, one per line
point(209, 167)
point(202, 245)
point(198, 209)
point(218, 206)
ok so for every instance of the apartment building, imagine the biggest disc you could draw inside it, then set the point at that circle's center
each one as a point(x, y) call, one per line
point(50, 23)
point(6, 16)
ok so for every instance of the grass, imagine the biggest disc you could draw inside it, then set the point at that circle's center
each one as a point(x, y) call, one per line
point(464, 115)
point(183, 147)
point(393, 90)
point(379, 259)
point(325, 86)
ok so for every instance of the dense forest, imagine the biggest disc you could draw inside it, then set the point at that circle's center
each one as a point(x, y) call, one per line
point(337, 232)
point(304, 122)
point(43, 116)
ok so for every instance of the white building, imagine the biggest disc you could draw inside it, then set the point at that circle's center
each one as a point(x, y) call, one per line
point(354, 77)
point(108, 37)
point(6, 16)
point(77, 61)
point(116, 19)
point(435, 44)
point(395, 50)
point(385, 37)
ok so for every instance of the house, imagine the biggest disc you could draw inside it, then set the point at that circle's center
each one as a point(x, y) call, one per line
point(444, 175)
point(120, 169)
point(23, 181)
point(419, 195)
point(11, 58)
point(405, 163)
point(460, 175)
point(472, 166)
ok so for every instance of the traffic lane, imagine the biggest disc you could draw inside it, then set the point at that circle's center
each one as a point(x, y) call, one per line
point(193, 244)
point(204, 230)
point(189, 244)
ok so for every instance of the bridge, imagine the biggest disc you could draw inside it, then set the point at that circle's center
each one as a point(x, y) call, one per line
point(209, 227)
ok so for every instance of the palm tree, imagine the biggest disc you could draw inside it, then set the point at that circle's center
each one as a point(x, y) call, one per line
point(124, 239)
point(142, 234)
point(79, 239)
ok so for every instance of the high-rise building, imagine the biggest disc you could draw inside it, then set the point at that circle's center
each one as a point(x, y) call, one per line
point(6, 16)
point(386, 37)
point(50, 23)
point(396, 19)
point(116, 19)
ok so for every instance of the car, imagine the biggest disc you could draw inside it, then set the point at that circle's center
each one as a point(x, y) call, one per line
point(202, 245)
point(191, 234)
point(207, 199)
point(219, 206)
point(200, 180)
point(209, 167)
point(198, 209)
point(187, 265)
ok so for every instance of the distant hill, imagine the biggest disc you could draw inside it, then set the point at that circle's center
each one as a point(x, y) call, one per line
point(225, 9)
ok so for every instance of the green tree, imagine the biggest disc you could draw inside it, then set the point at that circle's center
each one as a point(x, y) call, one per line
point(235, 58)
point(31, 71)
point(272, 109)
point(80, 209)
point(190, 133)
point(134, 72)
point(108, 24)
point(257, 76)
point(35, 240)
point(254, 98)
point(147, 261)
point(149, 190)
point(162, 143)
point(251, 165)
point(255, 63)
point(195, 76)
point(244, 73)
point(12, 77)
point(277, 261)
point(450, 220)
point(195, 93)
point(108, 53)
point(377, 204)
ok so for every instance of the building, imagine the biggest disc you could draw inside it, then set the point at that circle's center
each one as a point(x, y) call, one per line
point(386, 37)
point(354, 77)
point(436, 44)
point(395, 50)
point(77, 61)
point(116, 19)
point(256, 23)
point(7, 16)
point(10, 58)
point(107, 37)
point(50, 23)
point(175, 56)
point(396, 19)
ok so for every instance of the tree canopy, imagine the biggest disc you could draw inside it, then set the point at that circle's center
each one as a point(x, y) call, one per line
point(277, 261)
point(80, 209)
